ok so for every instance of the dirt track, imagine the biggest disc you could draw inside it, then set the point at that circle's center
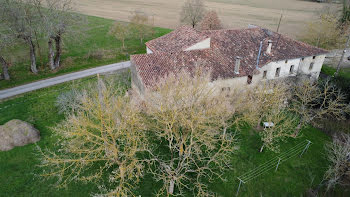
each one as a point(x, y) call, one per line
point(233, 13)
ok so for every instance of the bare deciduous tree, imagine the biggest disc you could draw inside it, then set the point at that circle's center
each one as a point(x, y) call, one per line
point(338, 153)
point(120, 31)
point(326, 32)
point(192, 12)
point(262, 101)
point(311, 101)
point(22, 19)
point(58, 19)
point(100, 139)
point(5, 41)
point(284, 124)
point(185, 117)
point(141, 25)
point(211, 21)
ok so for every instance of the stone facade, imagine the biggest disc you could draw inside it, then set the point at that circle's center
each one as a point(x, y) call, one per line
point(310, 66)
point(230, 54)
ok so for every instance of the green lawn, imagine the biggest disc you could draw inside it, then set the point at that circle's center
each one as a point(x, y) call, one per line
point(344, 72)
point(19, 168)
point(80, 52)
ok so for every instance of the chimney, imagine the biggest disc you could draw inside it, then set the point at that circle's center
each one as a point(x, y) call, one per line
point(268, 50)
point(238, 63)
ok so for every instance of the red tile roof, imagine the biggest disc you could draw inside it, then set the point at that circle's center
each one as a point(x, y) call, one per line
point(226, 45)
point(177, 40)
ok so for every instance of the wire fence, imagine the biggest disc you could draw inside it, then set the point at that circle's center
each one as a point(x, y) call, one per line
point(274, 163)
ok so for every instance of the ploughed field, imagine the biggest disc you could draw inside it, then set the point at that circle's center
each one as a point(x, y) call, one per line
point(233, 13)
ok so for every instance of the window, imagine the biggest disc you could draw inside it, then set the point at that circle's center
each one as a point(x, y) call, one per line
point(302, 59)
point(311, 66)
point(291, 70)
point(249, 79)
point(286, 61)
point(314, 57)
point(224, 89)
point(265, 74)
point(278, 70)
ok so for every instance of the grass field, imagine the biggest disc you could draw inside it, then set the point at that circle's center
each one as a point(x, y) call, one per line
point(94, 47)
point(19, 170)
point(234, 13)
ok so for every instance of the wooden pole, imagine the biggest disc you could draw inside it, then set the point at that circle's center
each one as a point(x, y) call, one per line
point(342, 56)
point(279, 23)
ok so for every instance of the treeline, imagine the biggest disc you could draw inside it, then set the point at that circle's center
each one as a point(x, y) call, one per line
point(26, 22)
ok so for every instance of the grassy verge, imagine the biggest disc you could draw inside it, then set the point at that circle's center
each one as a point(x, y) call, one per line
point(94, 47)
point(19, 168)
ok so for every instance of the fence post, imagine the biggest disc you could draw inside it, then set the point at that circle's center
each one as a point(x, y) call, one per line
point(306, 147)
point(279, 160)
point(239, 186)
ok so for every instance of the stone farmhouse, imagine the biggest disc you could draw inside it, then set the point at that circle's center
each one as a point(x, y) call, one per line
point(236, 57)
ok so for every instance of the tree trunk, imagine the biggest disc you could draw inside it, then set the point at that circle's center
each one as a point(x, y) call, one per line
point(171, 187)
point(38, 47)
point(297, 129)
point(58, 42)
point(5, 70)
point(32, 55)
point(51, 54)
point(123, 41)
point(258, 126)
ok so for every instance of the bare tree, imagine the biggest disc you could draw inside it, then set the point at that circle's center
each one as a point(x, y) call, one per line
point(192, 12)
point(338, 153)
point(312, 101)
point(185, 117)
point(283, 128)
point(58, 19)
point(5, 42)
point(141, 25)
point(261, 101)
point(22, 20)
point(120, 31)
point(326, 32)
point(211, 21)
point(101, 138)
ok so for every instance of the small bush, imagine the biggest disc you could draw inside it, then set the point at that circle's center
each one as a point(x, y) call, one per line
point(100, 54)
point(68, 101)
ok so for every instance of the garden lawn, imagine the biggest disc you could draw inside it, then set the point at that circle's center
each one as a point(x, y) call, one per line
point(91, 46)
point(19, 170)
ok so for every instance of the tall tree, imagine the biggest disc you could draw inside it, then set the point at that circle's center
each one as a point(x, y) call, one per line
point(192, 12)
point(22, 19)
point(185, 117)
point(58, 19)
point(211, 21)
point(6, 40)
point(100, 141)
